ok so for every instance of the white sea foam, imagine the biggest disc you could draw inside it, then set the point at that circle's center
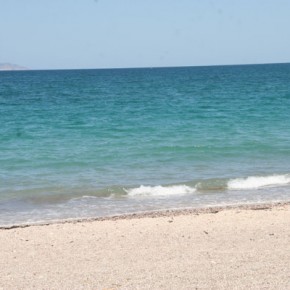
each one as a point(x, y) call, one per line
point(255, 182)
point(160, 190)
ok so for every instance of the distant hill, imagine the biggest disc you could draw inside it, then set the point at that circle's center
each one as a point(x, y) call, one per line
point(10, 66)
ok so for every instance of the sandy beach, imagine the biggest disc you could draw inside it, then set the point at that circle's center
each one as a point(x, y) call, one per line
point(235, 248)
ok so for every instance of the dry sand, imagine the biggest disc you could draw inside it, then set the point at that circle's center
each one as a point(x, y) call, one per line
point(229, 249)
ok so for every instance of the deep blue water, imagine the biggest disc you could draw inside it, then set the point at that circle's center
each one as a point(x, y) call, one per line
point(81, 143)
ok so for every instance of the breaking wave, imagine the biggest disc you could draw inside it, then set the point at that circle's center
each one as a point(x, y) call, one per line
point(256, 182)
point(160, 190)
point(247, 183)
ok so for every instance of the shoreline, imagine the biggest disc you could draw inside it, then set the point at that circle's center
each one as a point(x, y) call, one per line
point(155, 214)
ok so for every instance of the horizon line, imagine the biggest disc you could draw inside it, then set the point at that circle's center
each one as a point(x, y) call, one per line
point(145, 67)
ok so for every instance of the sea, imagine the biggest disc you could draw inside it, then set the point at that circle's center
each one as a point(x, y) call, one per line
point(105, 142)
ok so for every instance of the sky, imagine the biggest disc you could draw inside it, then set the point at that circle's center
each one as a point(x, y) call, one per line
point(76, 34)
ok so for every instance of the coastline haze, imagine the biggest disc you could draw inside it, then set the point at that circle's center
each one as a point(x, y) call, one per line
point(11, 67)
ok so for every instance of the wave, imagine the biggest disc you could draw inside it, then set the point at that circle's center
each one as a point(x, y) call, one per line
point(256, 182)
point(210, 185)
point(54, 195)
point(160, 190)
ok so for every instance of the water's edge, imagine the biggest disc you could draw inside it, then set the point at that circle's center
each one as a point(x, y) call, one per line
point(155, 214)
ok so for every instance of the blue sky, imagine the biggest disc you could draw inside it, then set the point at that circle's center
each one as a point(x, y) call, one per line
point(56, 34)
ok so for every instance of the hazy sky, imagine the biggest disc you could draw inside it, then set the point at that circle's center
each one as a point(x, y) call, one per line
point(53, 34)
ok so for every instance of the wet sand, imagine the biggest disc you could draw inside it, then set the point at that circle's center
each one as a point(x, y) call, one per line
point(246, 247)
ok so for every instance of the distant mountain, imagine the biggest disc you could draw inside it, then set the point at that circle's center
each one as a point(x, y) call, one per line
point(10, 66)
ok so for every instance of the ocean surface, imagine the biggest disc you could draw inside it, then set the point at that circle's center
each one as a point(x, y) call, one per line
point(90, 143)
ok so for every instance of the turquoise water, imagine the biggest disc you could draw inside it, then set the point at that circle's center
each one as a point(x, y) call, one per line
point(83, 143)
